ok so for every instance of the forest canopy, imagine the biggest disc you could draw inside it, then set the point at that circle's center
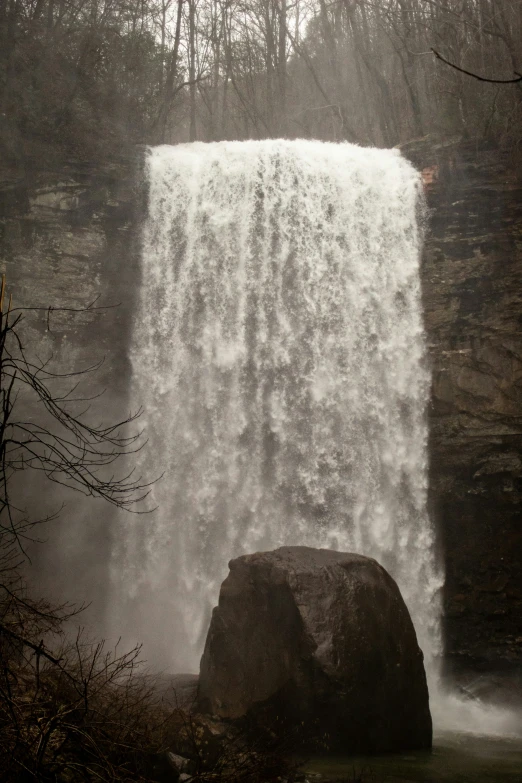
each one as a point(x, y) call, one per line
point(87, 76)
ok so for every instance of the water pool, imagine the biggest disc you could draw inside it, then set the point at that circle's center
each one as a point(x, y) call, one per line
point(455, 758)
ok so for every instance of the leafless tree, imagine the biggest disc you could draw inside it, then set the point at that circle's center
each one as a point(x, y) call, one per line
point(69, 709)
point(87, 76)
point(43, 429)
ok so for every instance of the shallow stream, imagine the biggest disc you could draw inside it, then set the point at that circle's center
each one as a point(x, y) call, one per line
point(455, 758)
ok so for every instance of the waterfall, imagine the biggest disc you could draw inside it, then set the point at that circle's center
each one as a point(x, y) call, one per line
point(279, 356)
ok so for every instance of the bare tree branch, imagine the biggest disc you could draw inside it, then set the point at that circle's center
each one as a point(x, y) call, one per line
point(62, 444)
point(475, 75)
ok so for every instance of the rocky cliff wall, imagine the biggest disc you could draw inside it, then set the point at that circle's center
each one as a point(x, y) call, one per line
point(472, 287)
point(69, 236)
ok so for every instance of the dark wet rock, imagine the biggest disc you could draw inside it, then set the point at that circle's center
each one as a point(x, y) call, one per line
point(181, 764)
point(321, 643)
point(473, 313)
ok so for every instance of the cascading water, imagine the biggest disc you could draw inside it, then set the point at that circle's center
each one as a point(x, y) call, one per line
point(279, 356)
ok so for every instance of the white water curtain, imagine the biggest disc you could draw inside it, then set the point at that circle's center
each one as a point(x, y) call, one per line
point(279, 355)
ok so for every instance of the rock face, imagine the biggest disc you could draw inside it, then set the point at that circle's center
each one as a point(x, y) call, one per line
point(321, 640)
point(68, 236)
point(471, 277)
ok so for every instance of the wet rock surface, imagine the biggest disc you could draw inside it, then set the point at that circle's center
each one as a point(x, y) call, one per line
point(320, 643)
point(69, 238)
point(472, 287)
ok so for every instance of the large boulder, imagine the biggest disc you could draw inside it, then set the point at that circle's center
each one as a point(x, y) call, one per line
point(319, 643)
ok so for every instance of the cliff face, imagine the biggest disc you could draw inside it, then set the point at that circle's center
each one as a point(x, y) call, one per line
point(69, 236)
point(473, 313)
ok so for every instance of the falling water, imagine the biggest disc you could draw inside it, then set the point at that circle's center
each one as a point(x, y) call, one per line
point(279, 355)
